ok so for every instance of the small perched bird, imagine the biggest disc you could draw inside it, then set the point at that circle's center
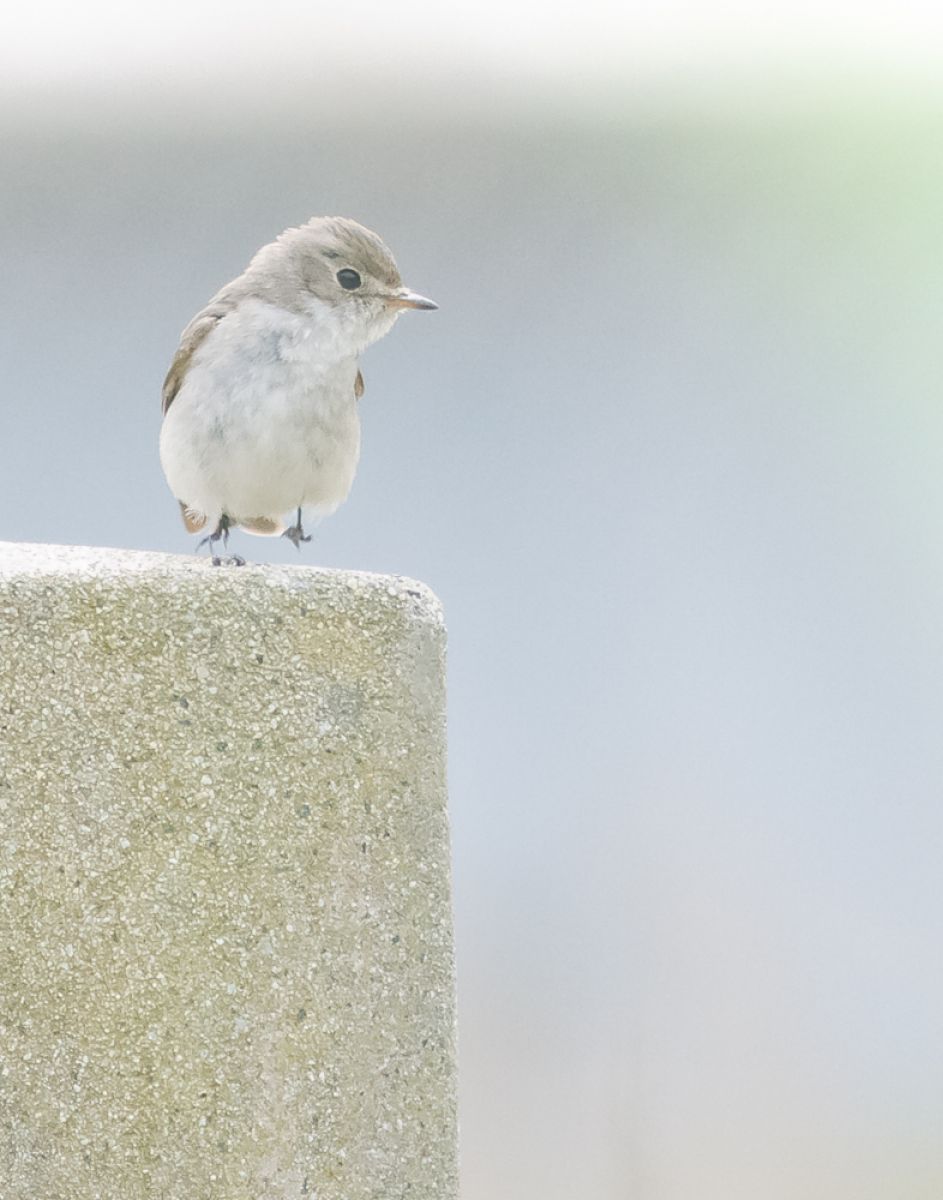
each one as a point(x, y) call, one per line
point(260, 402)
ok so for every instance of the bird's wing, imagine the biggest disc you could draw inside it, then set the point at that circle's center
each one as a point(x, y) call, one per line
point(193, 521)
point(191, 339)
point(358, 385)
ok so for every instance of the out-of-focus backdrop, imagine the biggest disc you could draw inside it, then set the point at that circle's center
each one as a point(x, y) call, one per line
point(672, 455)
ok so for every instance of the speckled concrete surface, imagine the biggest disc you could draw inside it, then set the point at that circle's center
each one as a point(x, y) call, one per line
point(225, 933)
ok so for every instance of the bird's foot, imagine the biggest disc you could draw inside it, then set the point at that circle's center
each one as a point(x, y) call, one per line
point(295, 534)
point(221, 534)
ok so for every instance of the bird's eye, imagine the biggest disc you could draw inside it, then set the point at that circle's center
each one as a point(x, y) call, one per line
point(348, 279)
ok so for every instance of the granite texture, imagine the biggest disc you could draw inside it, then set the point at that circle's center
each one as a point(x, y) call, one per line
point(225, 933)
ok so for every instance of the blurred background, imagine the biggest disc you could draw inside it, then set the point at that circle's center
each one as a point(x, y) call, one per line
point(670, 453)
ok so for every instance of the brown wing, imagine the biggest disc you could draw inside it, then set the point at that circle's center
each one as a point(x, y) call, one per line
point(263, 526)
point(358, 385)
point(193, 337)
point(193, 521)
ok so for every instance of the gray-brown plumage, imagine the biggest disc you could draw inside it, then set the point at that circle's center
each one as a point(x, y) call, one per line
point(260, 402)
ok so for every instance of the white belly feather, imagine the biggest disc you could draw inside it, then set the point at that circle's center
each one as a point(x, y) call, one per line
point(266, 421)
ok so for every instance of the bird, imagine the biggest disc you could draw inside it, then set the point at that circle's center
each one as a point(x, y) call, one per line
point(260, 424)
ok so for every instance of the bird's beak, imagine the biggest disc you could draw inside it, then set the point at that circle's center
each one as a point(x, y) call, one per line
point(404, 298)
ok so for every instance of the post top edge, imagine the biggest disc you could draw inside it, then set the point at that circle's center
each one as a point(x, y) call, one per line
point(47, 561)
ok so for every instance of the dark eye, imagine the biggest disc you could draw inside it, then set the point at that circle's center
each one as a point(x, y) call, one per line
point(348, 279)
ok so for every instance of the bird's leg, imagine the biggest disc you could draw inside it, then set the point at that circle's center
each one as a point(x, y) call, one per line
point(296, 534)
point(221, 532)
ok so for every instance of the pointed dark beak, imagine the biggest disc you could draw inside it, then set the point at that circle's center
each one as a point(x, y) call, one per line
point(404, 298)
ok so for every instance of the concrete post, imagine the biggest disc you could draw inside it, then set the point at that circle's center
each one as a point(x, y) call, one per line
point(225, 933)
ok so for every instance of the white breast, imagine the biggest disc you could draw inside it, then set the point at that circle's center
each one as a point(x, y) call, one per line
point(266, 420)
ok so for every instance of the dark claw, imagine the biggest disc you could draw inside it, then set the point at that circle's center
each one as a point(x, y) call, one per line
point(221, 533)
point(295, 534)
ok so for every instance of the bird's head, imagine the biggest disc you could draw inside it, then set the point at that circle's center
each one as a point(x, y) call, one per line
point(341, 274)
